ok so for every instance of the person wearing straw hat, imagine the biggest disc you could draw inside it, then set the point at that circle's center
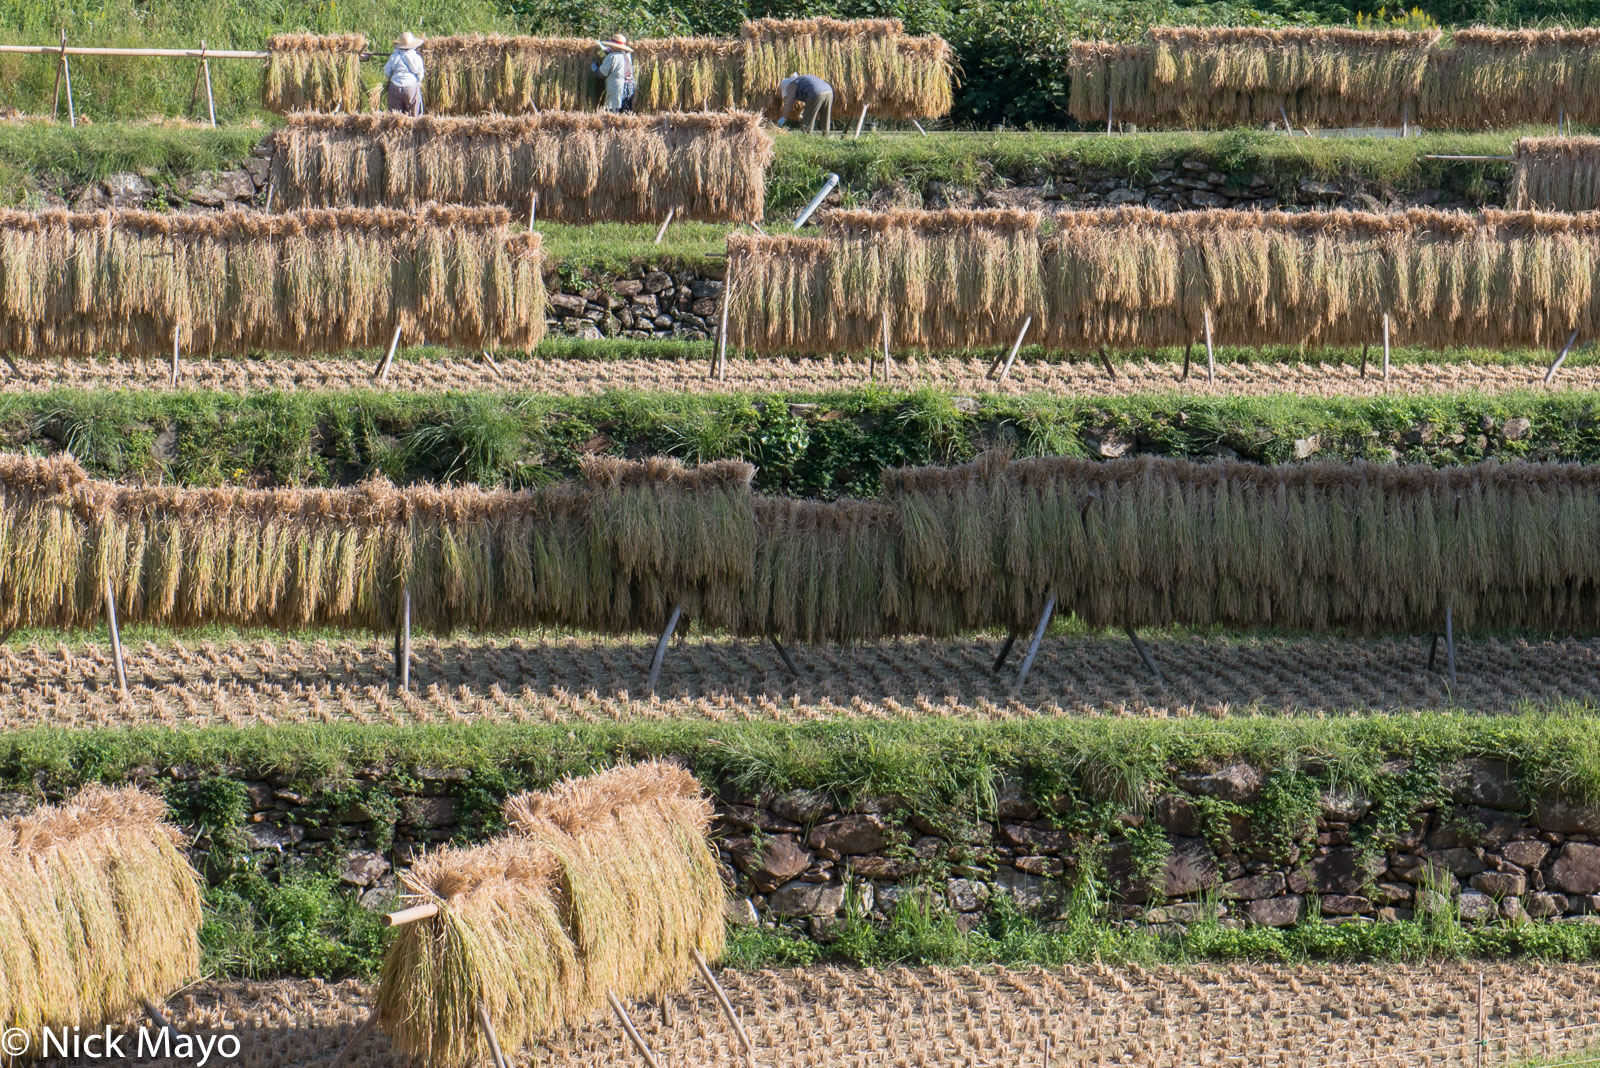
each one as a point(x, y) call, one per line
point(814, 96)
point(404, 73)
point(617, 69)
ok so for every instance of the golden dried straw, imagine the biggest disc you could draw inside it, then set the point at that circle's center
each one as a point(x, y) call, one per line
point(99, 911)
point(308, 72)
point(583, 166)
point(1557, 174)
point(603, 883)
point(240, 282)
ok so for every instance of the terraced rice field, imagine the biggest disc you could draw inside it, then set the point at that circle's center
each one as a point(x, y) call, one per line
point(458, 371)
point(555, 679)
point(1322, 1016)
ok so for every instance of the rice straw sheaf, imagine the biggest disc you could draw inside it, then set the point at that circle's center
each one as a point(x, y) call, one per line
point(583, 166)
point(603, 884)
point(75, 284)
point(943, 279)
point(1107, 74)
point(945, 551)
point(1491, 78)
point(99, 911)
point(1557, 174)
point(475, 74)
point(307, 72)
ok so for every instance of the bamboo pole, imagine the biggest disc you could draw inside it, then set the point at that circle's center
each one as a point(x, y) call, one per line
point(1449, 645)
point(11, 363)
point(177, 333)
point(1015, 348)
point(1106, 360)
point(1144, 654)
point(1005, 651)
point(66, 76)
point(533, 209)
point(382, 372)
point(719, 357)
point(361, 1032)
point(631, 1031)
point(1211, 355)
point(402, 639)
point(920, 130)
point(661, 648)
point(494, 1040)
point(1480, 1043)
point(148, 53)
point(211, 101)
point(1111, 108)
point(158, 1017)
point(886, 343)
point(1364, 347)
point(727, 1007)
point(494, 367)
point(659, 233)
point(55, 106)
point(411, 915)
point(1038, 636)
point(1386, 346)
point(1561, 359)
point(861, 121)
point(1476, 159)
point(1187, 350)
point(116, 639)
point(782, 652)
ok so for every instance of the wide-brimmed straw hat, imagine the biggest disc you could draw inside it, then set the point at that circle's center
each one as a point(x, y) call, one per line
point(409, 40)
point(618, 43)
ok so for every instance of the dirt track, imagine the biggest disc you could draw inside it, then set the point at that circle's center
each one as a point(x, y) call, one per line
point(584, 679)
point(1314, 1016)
point(965, 374)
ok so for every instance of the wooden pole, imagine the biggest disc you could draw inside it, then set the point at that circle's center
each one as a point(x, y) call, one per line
point(211, 101)
point(150, 53)
point(886, 343)
point(1187, 350)
point(355, 1040)
point(782, 652)
point(920, 130)
point(1449, 645)
point(382, 372)
point(1038, 636)
point(177, 332)
point(1106, 360)
point(55, 108)
point(1479, 1057)
point(719, 359)
point(1005, 651)
point(158, 1017)
point(411, 915)
point(1386, 346)
point(661, 648)
point(632, 1032)
point(1111, 108)
point(1144, 654)
point(1015, 348)
point(1561, 359)
point(1405, 119)
point(861, 120)
point(116, 638)
point(402, 639)
point(1433, 652)
point(1286, 125)
point(11, 363)
point(488, 1033)
point(664, 224)
point(492, 365)
point(722, 1000)
point(533, 209)
point(66, 75)
point(1364, 347)
point(1211, 355)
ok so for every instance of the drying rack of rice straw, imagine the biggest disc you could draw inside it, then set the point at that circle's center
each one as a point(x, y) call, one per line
point(99, 914)
point(604, 889)
point(233, 283)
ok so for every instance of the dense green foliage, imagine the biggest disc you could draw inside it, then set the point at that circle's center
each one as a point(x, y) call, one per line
point(803, 445)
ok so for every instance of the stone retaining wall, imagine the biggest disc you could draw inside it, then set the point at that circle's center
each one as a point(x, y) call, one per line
point(1485, 848)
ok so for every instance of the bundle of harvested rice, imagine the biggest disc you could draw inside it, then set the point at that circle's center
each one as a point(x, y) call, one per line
point(473, 74)
point(1557, 174)
point(867, 61)
point(1132, 276)
point(582, 166)
point(688, 74)
point(604, 884)
point(239, 282)
point(942, 280)
point(612, 555)
point(99, 911)
point(307, 72)
point(1110, 80)
point(1491, 78)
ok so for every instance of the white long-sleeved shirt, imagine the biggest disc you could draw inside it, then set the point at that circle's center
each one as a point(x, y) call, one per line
point(404, 69)
point(617, 70)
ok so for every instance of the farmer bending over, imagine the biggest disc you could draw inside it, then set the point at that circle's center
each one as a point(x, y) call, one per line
point(404, 73)
point(617, 69)
point(814, 95)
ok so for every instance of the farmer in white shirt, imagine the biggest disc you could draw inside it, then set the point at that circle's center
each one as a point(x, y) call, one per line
point(617, 69)
point(404, 73)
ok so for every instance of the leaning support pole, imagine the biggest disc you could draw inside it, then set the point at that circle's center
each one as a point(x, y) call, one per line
point(1433, 652)
point(116, 638)
point(1038, 636)
point(1011, 357)
point(494, 1040)
point(66, 75)
point(1364, 347)
point(159, 1018)
point(632, 1032)
point(1449, 645)
point(1555, 366)
point(1005, 651)
point(382, 372)
point(816, 201)
point(661, 648)
point(356, 1038)
point(861, 121)
point(920, 130)
point(1111, 109)
point(1144, 654)
point(886, 364)
point(1386, 346)
point(1188, 350)
point(533, 209)
point(719, 357)
point(493, 367)
point(402, 640)
point(784, 655)
point(11, 363)
point(722, 1000)
point(664, 224)
point(211, 100)
point(1211, 355)
point(1106, 361)
point(177, 332)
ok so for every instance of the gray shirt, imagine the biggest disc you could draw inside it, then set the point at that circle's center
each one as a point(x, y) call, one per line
point(617, 70)
point(404, 69)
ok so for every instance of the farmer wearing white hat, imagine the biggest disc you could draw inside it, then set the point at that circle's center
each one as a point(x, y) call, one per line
point(617, 69)
point(404, 73)
point(814, 96)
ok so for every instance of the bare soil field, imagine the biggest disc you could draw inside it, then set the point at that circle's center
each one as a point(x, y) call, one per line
point(558, 679)
point(458, 371)
point(1322, 1016)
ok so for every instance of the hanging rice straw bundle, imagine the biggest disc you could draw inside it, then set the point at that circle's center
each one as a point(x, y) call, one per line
point(1491, 78)
point(688, 74)
point(867, 61)
point(473, 74)
point(241, 282)
point(944, 279)
point(604, 884)
point(1557, 174)
point(99, 911)
point(1108, 74)
point(583, 166)
point(307, 72)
